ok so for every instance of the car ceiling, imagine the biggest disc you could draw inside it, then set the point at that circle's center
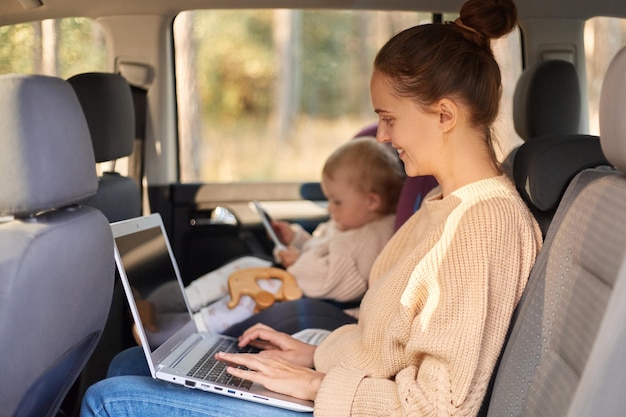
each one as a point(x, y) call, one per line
point(16, 11)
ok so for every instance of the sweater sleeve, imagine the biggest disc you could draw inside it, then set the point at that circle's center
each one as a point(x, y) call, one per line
point(338, 268)
point(438, 348)
point(301, 236)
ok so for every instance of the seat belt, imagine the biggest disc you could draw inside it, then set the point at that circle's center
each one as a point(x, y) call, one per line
point(136, 160)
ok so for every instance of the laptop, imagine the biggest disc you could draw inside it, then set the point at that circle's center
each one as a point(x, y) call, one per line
point(186, 356)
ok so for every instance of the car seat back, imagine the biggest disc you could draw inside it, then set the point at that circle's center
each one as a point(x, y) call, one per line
point(575, 289)
point(547, 101)
point(544, 166)
point(56, 256)
point(107, 102)
point(546, 112)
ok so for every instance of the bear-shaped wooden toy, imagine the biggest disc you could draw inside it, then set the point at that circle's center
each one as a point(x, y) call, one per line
point(244, 282)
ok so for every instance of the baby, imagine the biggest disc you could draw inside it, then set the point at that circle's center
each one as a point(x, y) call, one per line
point(362, 181)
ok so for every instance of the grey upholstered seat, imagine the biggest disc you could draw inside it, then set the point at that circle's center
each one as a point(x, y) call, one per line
point(546, 112)
point(545, 165)
point(56, 257)
point(565, 354)
point(107, 101)
point(547, 101)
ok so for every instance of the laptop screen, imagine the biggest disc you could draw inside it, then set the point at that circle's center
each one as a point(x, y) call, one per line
point(147, 268)
point(148, 265)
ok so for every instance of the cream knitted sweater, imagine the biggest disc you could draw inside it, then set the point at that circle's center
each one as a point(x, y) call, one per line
point(336, 264)
point(433, 322)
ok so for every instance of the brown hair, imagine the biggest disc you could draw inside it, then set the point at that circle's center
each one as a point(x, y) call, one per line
point(453, 59)
point(372, 167)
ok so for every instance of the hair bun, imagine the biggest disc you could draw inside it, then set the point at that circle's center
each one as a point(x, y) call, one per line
point(490, 18)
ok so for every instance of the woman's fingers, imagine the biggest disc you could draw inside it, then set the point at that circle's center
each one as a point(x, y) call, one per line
point(255, 329)
point(278, 345)
point(261, 345)
point(275, 374)
point(262, 334)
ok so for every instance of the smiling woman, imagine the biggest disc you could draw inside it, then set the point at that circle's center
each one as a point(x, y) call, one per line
point(242, 100)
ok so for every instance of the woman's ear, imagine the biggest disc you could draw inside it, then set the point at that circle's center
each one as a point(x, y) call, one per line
point(448, 114)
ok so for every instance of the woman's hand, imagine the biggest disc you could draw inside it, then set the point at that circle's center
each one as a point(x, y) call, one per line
point(277, 345)
point(275, 373)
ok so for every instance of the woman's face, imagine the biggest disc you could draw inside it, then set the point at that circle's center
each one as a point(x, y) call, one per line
point(414, 132)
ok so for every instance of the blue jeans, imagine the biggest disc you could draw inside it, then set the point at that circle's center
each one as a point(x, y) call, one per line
point(129, 390)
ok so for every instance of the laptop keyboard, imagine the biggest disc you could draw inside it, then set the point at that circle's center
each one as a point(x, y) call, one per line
point(210, 369)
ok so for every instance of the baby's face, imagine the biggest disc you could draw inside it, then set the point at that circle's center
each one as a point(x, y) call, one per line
point(348, 206)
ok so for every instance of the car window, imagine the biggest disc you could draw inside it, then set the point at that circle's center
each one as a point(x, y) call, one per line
point(60, 47)
point(604, 37)
point(56, 47)
point(269, 94)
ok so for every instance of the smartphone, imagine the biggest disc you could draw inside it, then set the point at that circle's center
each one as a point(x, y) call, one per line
point(267, 223)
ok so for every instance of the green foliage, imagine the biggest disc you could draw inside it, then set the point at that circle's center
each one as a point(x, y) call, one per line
point(331, 66)
point(238, 62)
point(81, 47)
point(16, 48)
point(234, 63)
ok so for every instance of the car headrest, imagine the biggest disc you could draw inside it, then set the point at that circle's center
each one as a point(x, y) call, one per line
point(544, 166)
point(369, 130)
point(612, 120)
point(547, 100)
point(107, 101)
point(46, 161)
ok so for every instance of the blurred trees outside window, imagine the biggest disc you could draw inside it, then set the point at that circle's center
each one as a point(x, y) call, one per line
point(62, 47)
point(269, 94)
point(604, 37)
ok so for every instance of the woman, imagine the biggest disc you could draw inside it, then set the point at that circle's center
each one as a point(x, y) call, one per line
point(443, 290)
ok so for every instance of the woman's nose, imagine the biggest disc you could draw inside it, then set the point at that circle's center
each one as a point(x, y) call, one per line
point(381, 135)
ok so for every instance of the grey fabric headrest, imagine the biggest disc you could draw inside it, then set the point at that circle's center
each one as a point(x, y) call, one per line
point(547, 100)
point(46, 158)
point(545, 165)
point(108, 105)
point(612, 116)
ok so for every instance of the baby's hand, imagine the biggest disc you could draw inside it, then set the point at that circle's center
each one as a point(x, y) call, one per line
point(284, 231)
point(289, 256)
